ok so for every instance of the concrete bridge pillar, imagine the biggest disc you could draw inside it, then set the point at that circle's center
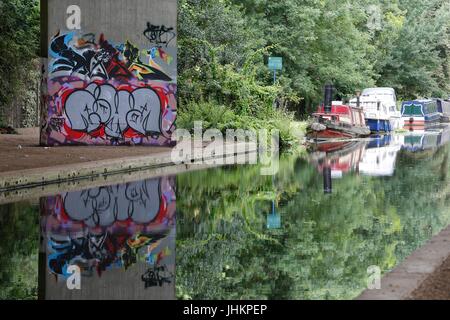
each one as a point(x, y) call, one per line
point(109, 72)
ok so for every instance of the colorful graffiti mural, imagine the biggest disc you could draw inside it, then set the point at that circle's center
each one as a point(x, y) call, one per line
point(111, 227)
point(102, 93)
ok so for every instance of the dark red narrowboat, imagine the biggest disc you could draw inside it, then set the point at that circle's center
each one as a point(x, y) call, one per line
point(342, 121)
point(335, 120)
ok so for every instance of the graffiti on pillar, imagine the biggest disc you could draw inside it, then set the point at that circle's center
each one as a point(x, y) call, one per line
point(104, 110)
point(109, 227)
point(110, 94)
point(159, 35)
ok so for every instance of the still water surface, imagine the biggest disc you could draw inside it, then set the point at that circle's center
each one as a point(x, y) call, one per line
point(310, 232)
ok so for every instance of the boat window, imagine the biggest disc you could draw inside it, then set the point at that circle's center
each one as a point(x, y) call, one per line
point(412, 110)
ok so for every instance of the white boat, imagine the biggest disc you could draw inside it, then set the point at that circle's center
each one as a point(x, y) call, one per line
point(380, 109)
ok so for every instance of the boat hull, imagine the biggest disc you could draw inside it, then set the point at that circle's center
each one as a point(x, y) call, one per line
point(337, 131)
point(377, 125)
point(421, 123)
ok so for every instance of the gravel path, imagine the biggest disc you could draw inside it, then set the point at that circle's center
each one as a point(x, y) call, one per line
point(436, 286)
point(22, 151)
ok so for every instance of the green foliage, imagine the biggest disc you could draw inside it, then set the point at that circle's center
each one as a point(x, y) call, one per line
point(354, 44)
point(19, 44)
point(220, 80)
point(214, 116)
point(19, 238)
point(415, 47)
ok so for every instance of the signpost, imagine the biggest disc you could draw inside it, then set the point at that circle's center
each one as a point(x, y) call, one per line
point(275, 63)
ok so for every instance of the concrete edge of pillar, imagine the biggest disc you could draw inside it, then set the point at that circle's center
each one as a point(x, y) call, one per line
point(400, 283)
point(33, 183)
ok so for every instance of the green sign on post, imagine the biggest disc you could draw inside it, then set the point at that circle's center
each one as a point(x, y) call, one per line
point(275, 63)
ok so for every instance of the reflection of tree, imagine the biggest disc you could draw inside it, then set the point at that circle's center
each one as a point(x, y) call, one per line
point(327, 241)
point(19, 248)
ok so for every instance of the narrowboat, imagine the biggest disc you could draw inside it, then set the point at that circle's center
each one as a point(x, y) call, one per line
point(335, 120)
point(341, 122)
point(444, 109)
point(380, 109)
point(420, 114)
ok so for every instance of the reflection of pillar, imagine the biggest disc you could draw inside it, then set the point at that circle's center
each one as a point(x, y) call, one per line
point(327, 181)
point(128, 254)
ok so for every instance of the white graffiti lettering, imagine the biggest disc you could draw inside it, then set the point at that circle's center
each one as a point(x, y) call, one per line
point(117, 110)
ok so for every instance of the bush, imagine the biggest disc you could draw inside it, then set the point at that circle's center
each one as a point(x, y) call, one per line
point(216, 116)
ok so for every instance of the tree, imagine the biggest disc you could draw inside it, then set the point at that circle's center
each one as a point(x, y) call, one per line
point(19, 45)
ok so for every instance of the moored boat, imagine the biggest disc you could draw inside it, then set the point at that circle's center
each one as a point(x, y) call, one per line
point(380, 109)
point(444, 109)
point(420, 114)
point(335, 120)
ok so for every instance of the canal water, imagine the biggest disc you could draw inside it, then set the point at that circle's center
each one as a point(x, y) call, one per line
point(311, 232)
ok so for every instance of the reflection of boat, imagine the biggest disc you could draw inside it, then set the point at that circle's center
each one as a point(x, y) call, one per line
point(340, 161)
point(333, 164)
point(422, 141)
point(333, 146)
point(105, 231)
point(380, 109)
point(336, 120)
point(444, 109)
point(376, 157)
point(420, 114)
point(380, 156)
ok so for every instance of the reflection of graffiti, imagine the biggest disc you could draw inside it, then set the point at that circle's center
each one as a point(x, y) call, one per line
point(109, 227)
point(89, 109)
point(103, 93)
point(139, 201)
point(94, 251)
point(100, 61)
point(159, 35)
point(157, 276)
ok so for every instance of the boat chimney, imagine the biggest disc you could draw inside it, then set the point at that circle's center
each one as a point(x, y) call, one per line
point(329, 90)
point(358, 98)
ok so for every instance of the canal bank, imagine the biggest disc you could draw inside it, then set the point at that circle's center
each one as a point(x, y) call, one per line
point(423, 275)
point(26, 165)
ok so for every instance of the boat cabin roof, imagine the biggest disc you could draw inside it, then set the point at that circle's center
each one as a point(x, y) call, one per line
point(420, 102)
point(338, 109)
point(378, 91)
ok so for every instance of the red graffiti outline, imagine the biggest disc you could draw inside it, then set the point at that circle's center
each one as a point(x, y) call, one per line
point(129, 133)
